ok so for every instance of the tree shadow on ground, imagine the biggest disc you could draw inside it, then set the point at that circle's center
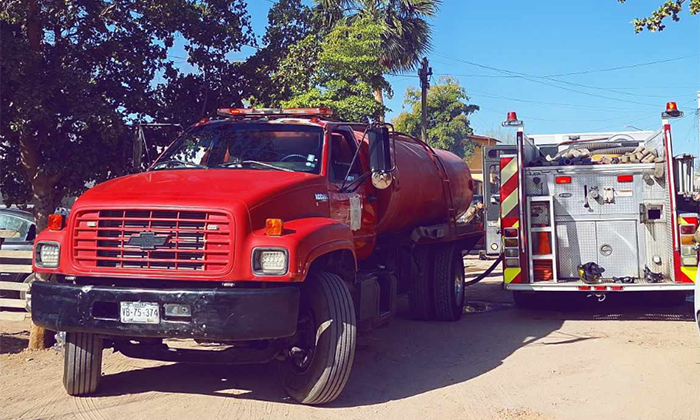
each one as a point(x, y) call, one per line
point(11, 343)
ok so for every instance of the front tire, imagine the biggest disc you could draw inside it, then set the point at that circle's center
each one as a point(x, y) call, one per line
point(317, 368)
point(448, 281)
point(82, 368)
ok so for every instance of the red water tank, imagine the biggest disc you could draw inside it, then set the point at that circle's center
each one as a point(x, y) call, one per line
point(418, 196)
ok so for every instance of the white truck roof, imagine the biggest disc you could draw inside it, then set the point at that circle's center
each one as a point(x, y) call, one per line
point(552, 139)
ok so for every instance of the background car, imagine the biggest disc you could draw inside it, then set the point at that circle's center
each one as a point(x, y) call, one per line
point(24, 223)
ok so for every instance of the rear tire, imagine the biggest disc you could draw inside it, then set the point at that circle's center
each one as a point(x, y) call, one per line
point(82, 368)
point(420, 293)
point(448, 282)
point(318, 370)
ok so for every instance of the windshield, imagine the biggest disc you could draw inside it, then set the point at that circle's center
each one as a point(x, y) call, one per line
point(238, 145)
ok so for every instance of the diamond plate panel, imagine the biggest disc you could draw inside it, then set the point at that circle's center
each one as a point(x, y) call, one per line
point(536, 189)
point(657, 244)
point(621, 239)
point(576, 244)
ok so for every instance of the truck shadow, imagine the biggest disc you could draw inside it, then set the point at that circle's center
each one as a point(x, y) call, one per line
point(616, 307)
point(407, 358)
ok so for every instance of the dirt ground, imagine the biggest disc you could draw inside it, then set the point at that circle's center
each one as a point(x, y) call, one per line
point(577, 359)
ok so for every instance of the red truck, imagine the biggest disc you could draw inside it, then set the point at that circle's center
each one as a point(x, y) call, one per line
point(277, 233)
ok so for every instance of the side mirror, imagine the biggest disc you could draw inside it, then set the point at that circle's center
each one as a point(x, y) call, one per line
point(380, 160)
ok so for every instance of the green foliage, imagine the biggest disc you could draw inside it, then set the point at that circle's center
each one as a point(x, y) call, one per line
point(448, 116)
point(289, 23)
point(75, 74)
point(671, 8)
point(405, 31)
point(339, 71)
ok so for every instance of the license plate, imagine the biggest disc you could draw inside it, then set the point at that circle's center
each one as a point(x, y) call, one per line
point(139, 313)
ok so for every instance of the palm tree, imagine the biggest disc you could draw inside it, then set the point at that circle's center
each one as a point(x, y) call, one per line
point(406, 34)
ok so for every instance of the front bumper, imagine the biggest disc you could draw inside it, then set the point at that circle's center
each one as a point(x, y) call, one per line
point(231, 314)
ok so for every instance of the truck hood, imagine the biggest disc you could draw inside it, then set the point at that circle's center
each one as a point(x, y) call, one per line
point(198, 187)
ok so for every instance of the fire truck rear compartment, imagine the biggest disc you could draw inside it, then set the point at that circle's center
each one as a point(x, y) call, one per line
point(581, 214)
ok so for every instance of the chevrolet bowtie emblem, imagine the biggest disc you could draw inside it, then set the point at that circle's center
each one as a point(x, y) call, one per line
point(147, 240)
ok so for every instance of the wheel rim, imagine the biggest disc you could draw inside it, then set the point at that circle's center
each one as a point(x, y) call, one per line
point(301, 355)
point(459, 283)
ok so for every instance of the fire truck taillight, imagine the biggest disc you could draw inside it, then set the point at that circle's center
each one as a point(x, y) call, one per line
point(625, 178)
point(687, 225)
point(511, 247)
point(563, 180)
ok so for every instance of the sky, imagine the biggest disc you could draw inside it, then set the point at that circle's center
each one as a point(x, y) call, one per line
point(500, 51)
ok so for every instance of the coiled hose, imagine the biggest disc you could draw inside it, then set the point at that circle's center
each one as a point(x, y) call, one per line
point(485, 273)
point(615, 151)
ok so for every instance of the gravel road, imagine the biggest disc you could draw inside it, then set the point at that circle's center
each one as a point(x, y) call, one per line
point(576, 359)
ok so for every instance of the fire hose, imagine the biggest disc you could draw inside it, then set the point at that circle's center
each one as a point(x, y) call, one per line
point(485, 273)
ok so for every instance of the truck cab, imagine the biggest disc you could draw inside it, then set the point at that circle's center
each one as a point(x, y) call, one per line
point(278, 233)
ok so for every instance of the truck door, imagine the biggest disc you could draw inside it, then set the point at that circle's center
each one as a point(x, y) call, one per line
point(353, 206)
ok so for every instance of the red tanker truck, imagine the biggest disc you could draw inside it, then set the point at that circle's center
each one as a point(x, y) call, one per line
point(276, 233)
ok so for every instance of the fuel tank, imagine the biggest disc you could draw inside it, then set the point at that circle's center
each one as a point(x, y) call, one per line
point(418, 196)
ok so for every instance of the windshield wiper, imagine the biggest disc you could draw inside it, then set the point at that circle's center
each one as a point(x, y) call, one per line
point(253, 162)
point(173, 163)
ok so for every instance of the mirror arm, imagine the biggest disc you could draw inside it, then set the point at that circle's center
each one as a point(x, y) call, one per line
point(354, 158)
point(356, 183)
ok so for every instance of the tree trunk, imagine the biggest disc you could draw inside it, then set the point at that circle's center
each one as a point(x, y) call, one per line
point(42, 184)
point(379, 97)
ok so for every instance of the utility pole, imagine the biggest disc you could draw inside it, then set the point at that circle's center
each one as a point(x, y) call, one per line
point(424, 74)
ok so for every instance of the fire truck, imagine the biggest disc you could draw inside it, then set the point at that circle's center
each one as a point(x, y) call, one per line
point(597, 213)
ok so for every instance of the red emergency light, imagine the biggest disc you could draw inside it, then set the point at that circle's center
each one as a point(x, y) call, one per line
point(563, 180)
point(305, 112)
point(625, 178)
point(672, 111)
point(512, 120)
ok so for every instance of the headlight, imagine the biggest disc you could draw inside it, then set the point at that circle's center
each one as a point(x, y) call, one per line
point(270, 261)
point(47, 254)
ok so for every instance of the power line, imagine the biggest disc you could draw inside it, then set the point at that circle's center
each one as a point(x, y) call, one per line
point(533, 80)
point(631, 66)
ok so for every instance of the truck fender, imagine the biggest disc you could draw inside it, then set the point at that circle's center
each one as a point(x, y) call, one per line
point(317, 236)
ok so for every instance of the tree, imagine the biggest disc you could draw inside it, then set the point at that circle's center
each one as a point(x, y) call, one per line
point(671, 8)
point(338, 71)
point(288, 23)
point(75, 75)
point(405, 31)
point(448, 116)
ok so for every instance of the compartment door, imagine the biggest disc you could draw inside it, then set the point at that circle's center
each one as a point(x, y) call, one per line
point(618, 250)
point(576, 244)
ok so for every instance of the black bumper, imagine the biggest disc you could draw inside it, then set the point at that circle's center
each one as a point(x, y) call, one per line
point(235, 314)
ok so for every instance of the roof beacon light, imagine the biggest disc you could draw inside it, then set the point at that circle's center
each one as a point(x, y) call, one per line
point(672, 111)
point(260, 112)
point(512, 120)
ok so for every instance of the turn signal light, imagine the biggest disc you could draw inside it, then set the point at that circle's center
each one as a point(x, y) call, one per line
point(55, 222)
point(563, 180)
point(274, 227)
